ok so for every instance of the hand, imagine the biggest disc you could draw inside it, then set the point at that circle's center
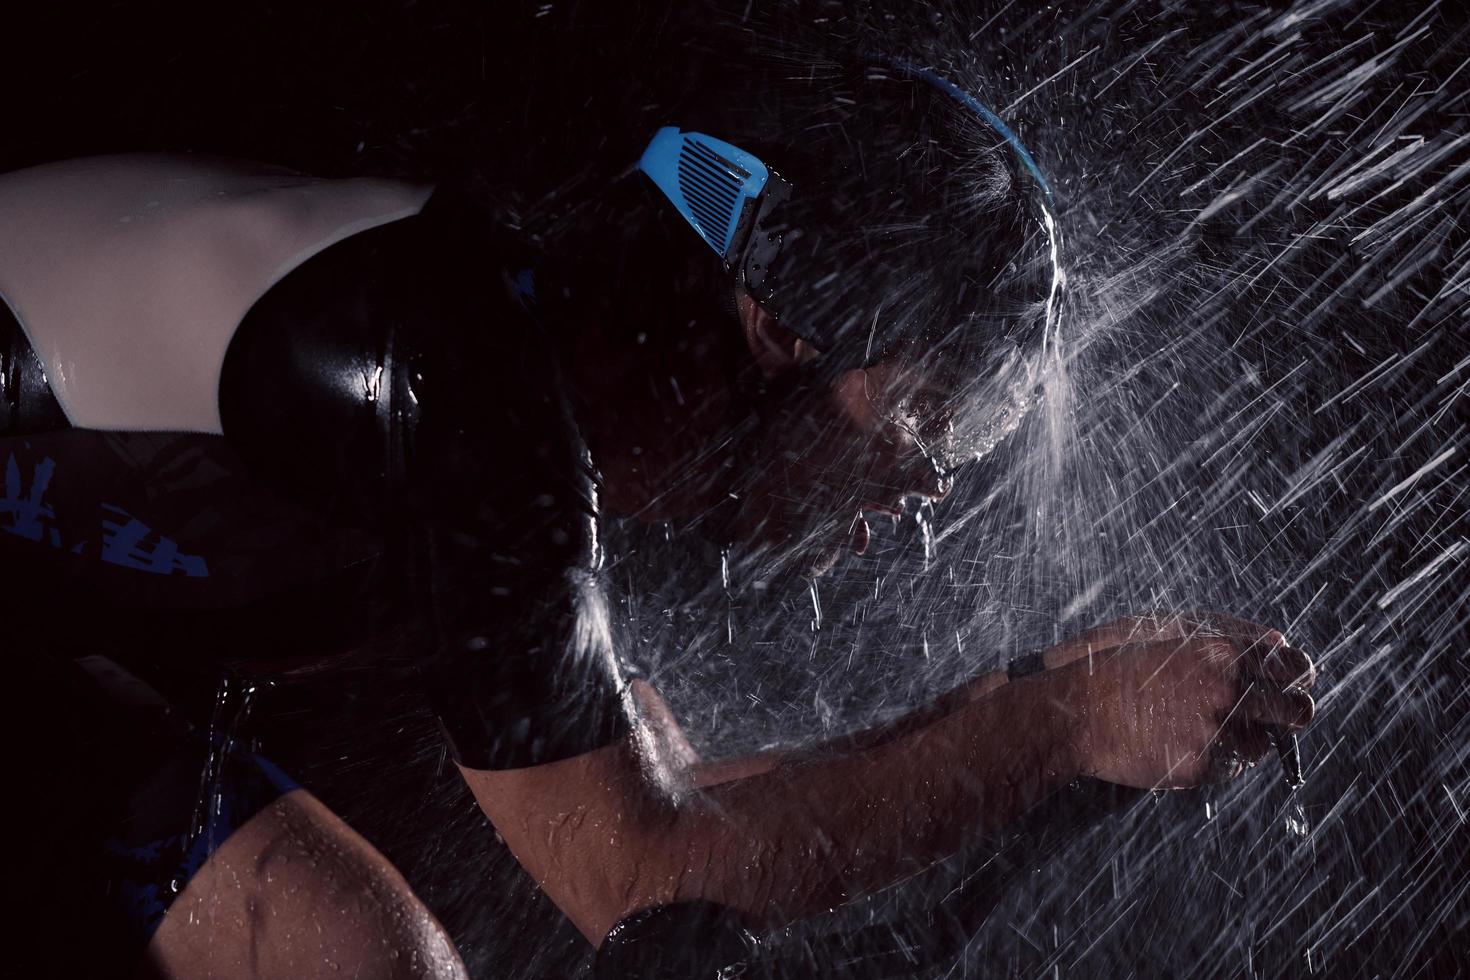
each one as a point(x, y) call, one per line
point(1174, 701)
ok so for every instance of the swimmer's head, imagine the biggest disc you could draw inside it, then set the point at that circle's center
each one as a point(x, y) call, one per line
point(891, 334)
point(888, 209)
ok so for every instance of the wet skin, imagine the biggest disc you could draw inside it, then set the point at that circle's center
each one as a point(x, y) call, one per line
point(823, 458)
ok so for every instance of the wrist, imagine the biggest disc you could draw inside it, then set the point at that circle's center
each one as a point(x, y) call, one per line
point(1053, 708)
point(1065, 713)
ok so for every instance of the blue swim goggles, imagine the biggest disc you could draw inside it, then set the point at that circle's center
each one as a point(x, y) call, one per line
point(735, 202)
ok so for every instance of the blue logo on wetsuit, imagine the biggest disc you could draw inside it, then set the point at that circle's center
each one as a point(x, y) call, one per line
point(126, 541)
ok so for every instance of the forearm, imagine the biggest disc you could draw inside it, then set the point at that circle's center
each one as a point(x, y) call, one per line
point(707, 774)
point(820, 828)
point(1097, 640)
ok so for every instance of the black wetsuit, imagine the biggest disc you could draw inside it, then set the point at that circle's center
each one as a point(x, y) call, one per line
point(399, 474)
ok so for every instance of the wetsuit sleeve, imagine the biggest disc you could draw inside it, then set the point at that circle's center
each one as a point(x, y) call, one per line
point(525, 671)
point(393, 382)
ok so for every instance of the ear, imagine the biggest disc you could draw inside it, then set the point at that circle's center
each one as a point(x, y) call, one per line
point(776, 349)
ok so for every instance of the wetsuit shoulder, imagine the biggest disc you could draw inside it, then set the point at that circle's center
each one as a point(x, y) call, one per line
point(401, 380)
point(130, 273)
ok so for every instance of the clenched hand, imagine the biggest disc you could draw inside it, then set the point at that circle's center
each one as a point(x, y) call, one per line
point(1170, 702)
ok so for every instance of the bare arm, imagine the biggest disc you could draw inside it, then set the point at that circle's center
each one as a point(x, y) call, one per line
point(1093, 641)
point(779, 836)
point(706, 774)
point(811, 831)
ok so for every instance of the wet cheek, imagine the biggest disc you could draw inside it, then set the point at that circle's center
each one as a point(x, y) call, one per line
point(837, 458)
point(849, 401)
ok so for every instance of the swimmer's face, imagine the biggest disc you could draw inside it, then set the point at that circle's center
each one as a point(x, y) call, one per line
point(827, 459)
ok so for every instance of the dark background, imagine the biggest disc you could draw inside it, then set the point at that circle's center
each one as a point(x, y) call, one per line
point(1264, 207)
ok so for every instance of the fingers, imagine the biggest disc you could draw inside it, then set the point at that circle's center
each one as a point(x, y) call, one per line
point(1251, 639)
point(1261, 651)
point(1289, 666)
point(1272, 658)
point(1262, 716)
point(1266, 652)
point(1250, 742)
point(1288, 710)
point(1236, 747)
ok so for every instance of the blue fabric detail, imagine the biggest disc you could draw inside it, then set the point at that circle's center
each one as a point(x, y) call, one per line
point(128, 542)
point(524, 286)
point(274, 776)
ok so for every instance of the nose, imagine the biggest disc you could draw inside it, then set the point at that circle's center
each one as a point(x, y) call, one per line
point(897, 460)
